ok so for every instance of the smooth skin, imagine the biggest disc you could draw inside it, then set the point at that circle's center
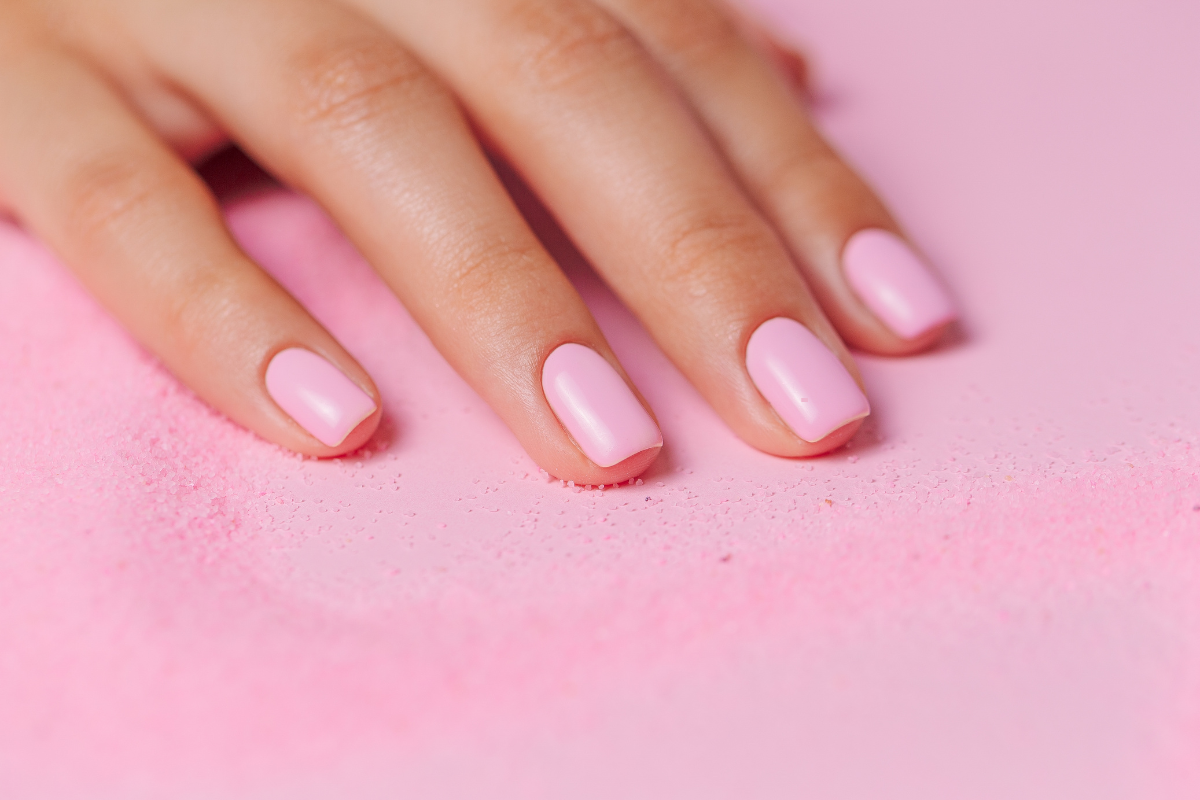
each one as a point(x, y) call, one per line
point(662, 134)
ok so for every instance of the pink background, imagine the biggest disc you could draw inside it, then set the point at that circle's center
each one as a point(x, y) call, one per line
point(992, 593)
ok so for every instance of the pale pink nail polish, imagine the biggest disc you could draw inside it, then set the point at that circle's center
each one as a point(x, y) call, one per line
point(317, 395)
point(803, 380)
point(593, 403)
point(895, 283)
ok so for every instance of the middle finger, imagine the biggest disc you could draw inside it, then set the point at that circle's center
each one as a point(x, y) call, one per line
point(589, 120)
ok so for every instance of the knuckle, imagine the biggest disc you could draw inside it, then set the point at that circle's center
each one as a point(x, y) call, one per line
point(697, 32)
point(479, 276)
point(105, 195)
point(116, 198)
point(351, 83)
point(561, 42)
point(701, 243)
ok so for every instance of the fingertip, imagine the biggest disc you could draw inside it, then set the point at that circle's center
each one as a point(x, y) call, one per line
point(831, 442)
point(584, 472)
point(928, 340)
point(783, 443)
point(357, 438)
point(635, 465)
point(880, 341)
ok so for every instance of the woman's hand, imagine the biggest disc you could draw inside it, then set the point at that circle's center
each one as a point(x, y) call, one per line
point(659, 135)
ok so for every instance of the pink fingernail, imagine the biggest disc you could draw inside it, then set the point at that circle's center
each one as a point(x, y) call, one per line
point(596, 407)
point(803, 380)
point(894, 283)
point(317, 395)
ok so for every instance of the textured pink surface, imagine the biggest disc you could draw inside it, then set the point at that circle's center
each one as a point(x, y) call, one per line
point(993, 593)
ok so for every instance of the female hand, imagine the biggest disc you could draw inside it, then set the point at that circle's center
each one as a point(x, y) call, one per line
point(660, 136)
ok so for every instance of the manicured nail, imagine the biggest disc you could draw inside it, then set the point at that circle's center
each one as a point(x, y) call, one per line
point(895, 283)
point(317, 395)
point(593, 403)
point(803, 380)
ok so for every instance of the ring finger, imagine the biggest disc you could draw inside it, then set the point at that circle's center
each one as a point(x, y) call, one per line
point(869, 279)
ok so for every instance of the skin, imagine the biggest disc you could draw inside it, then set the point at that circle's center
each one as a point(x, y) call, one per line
point(665, 136)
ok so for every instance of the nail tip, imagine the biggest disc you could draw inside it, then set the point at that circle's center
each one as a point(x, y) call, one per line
point(607, 463)
point(835, 428)
point(939, 324)
point(351, 428)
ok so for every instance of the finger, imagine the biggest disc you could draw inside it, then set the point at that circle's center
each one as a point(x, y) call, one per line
point(879, 293)
point(147, 239)
point(334, 106)
point(788, 61)
point(582, 111)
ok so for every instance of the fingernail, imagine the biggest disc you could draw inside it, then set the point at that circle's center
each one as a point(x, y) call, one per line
point(596, 406)
point(895, 283)
point(803, 380)
point(317, 395)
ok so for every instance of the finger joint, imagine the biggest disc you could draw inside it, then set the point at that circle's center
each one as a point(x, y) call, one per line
point(702, 248)
point(355, 83)
point(561, 43)
point(109, 195)
point(698, 33)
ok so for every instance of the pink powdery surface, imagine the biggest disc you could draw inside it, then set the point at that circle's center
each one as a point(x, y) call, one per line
point(993, 593)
